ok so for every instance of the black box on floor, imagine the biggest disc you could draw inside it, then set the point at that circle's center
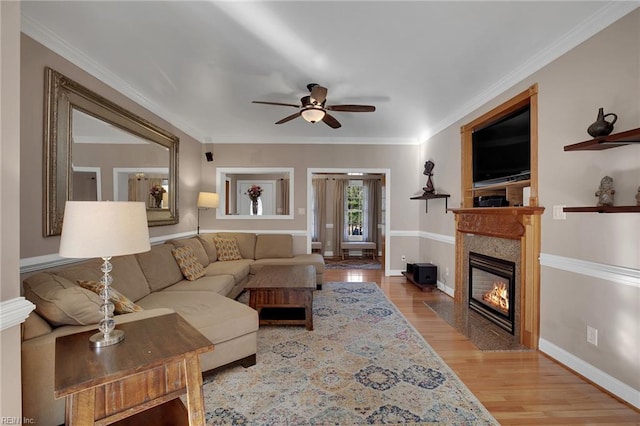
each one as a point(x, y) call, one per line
point(423, 273)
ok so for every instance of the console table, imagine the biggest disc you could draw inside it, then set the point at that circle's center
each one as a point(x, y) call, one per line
point(158, 361)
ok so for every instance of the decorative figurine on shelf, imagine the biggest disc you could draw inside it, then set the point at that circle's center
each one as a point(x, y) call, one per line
point(602, 127)
point(605, 192)
point(638, 197)
point(428, 168)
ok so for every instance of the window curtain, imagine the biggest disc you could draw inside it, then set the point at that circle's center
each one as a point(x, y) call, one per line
point(338, 216)
point(284, 186)
point(319, 211)
point(373, 196)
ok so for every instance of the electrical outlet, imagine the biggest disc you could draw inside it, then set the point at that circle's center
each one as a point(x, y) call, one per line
point(446, 272)
point(558, 213)
point(403, 257)
point(592, 335)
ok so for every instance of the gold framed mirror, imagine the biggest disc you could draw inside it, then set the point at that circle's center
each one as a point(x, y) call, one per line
point(97, 150)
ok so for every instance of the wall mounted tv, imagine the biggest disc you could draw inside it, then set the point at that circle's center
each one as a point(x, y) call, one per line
point(502, 150)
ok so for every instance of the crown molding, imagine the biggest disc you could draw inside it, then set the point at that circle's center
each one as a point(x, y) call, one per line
point(601, 19)
point(53, 42)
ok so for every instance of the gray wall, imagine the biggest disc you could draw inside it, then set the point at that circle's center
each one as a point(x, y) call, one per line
point(590, 262)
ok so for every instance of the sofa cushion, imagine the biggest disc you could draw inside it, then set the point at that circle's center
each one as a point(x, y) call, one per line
point(209, 245)
point(160, 267)
point(217, 317)
point(121, 304)
point(246, 242)
point(270, 246)
point(227, 249)
point(221, 284)
point(191, 268)
point(127, 275)
point(60, 301)
point(196, 246)
point(238, 268)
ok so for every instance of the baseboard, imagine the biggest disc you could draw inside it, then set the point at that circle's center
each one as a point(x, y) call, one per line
point(449, 291)
point(597, 376)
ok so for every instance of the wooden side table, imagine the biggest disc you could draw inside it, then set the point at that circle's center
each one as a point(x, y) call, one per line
point(158, 361)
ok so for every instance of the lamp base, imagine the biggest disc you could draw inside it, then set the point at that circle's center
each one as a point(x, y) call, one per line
point(99, 340)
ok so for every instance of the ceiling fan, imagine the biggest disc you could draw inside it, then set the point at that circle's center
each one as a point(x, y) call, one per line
point(313, 109)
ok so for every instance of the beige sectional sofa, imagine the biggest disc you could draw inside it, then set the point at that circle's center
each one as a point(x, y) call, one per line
point(156, 284)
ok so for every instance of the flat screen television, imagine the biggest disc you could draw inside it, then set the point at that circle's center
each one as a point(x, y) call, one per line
point(502, 150)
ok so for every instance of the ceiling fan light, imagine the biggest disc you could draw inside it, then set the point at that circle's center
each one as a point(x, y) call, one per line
point(313, 115)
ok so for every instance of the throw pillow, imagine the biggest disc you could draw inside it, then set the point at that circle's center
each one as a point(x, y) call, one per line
point(60, 301)
point(121, 303)
point(191, 268)
point(227, 249)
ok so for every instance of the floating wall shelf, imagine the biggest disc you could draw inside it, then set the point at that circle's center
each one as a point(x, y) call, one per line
point(430, 197)
point(605, 142)
point(603, 209)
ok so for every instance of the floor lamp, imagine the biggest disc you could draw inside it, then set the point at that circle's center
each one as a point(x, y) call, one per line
point(104, 229)
point(207, 200)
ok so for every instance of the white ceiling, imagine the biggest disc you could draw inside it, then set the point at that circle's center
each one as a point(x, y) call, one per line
point(423, 64)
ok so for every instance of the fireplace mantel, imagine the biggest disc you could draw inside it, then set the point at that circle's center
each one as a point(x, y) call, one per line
point(513, 223)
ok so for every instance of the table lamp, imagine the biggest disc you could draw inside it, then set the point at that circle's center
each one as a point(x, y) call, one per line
point(207, 200)
point(104, 229)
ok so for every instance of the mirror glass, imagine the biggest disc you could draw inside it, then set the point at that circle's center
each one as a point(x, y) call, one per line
point(255, 193)
point(98, 151)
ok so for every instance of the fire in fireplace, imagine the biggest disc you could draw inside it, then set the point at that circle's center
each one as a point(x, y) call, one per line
point(492, 289)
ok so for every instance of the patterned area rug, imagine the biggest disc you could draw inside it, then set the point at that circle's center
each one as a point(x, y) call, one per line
point(352, 263)
point(362, 364)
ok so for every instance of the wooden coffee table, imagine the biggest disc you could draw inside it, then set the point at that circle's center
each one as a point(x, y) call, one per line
point(283, 295)
point(156, 363)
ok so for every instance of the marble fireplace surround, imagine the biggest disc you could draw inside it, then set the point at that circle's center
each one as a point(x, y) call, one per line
point(510, 233)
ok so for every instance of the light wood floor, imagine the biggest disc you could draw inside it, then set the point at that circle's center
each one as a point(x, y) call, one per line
point(518, 388)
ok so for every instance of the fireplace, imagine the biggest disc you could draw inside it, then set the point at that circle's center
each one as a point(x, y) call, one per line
point(492, 289)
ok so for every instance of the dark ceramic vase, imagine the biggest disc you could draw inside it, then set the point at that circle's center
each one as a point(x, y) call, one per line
point(602, 127)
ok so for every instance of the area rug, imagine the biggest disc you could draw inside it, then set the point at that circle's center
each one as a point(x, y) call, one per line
point(362, 364)
point(484, 334)
point(352, 264)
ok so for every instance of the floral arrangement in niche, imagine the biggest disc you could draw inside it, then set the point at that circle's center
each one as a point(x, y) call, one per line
point(254, 192)
point(156, 192)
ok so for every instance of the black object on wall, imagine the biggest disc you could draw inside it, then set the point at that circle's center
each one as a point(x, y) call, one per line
point(209, 156)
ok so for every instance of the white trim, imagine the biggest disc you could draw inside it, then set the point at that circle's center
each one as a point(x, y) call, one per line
point(47, 261)
point(448, 239)
point(295, 233)
point(597, 376)
point(14, 311)
point(618, 274)
point(404, 233)
point(449, 291)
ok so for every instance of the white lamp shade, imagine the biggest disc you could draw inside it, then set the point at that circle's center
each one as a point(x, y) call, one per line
point(208, 200)
point(103, 229)
point(313, 115)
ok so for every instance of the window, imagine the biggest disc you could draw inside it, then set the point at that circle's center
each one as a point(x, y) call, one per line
point(354, 211)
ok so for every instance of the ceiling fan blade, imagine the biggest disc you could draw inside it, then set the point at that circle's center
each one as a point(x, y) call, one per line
point(352, 108)
point(319, 93)
point(289, 118)
point(275, 103)
point(331, 122)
